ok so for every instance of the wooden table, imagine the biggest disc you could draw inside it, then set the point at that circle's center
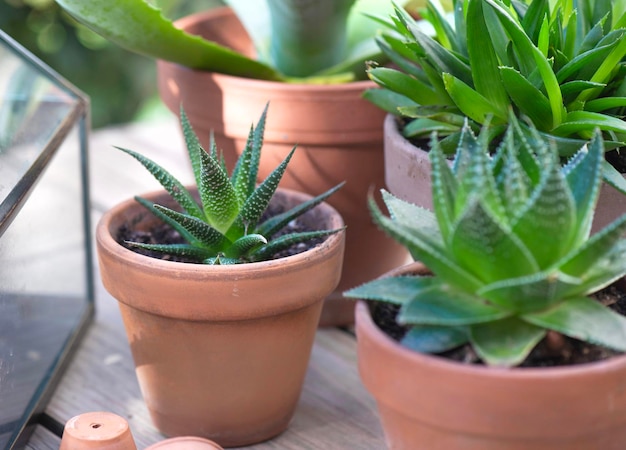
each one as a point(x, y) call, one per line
point(335, 411)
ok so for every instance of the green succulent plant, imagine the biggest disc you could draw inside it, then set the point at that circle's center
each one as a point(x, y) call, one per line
point(560, 63)
point(510, 249)
point(295, 40)
point(225, 227)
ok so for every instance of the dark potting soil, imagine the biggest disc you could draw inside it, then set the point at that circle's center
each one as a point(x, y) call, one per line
point(554, 350)
point(161, 233)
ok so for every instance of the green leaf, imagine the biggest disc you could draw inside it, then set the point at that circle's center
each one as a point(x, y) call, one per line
point(443, 187)
point(423, 247)
point(424, 126)
point(257, 202)
point(208, 236)
point(602, 104)
point(533, 292)
point(483, 60)
point(218, 196)
point(139, 27)
point(194, 148)
point(387, 100)
point(612, 177)
point(277, 222)
point(505, 342)
point(445, 306)
point(245, 245)
point(480, 244)
point(529, 52)
point(548, 224)
point(582, 173)
point(403, 84)
point(398, 290)
point(470, 102)
point(182, 250)
point(578, 122)
point(174, 187)
point(530, 100)
point(185, 234)
point(434, 339)
point(285, 241)
point(584, 319)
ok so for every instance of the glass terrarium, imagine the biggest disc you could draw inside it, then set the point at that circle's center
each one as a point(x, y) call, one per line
point(46, 287)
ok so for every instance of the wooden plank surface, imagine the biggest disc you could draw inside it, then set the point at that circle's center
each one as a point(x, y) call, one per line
point(335, 411)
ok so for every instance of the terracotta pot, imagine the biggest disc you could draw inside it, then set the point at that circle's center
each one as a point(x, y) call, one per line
point(407, 175)
point(220, 351)
point(430, 403)
point(185, 443)
point(338, 133)
point(98, 430)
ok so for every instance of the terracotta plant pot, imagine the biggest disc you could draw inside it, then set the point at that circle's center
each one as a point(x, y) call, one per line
point(97, 430)
point(407, 175)
point(430, 403)
point(338, 133)
point(220, 351)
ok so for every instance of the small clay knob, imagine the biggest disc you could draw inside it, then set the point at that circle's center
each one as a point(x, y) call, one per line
point(97, 431)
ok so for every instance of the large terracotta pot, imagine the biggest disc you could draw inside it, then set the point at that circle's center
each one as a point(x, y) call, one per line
point(338, 133)
point(430, 403)
point(220, 351)
point(407, 175)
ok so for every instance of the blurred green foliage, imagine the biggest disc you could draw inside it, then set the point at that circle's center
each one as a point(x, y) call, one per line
point(119, 83)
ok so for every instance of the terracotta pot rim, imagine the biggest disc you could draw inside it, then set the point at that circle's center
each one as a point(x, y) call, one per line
point(215, 13)
point(106, 240)
point(365, 324)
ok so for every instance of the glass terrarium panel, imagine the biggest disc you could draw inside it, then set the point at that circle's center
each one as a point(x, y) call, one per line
point(46, 293)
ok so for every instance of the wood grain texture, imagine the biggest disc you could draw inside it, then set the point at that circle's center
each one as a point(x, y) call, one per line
point(335, 411)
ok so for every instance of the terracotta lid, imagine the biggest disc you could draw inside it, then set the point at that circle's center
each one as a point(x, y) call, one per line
point(97, 430)
point(185, 443)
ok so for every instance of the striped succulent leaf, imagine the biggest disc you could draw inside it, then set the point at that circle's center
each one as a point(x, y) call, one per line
point(509, 247)
point(224, 226)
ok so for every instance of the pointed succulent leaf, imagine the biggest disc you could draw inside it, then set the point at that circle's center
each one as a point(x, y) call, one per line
point(443, 186)
point(585, 319)
point(399, 290)
point(422, 246)
point(241, 173)
point(405, 85)
point(387, 100)
point(505, 342)
point(245, 245)
point(443, 305)
point(480, 244)
point(218, 196)
point(472, 103)
point(174, 187)
point(286, 241)
point(186, 251)
point(277, 222)
point(583, 175)
point(185, 234)
point(194, 148)
point(434, 339)
point(530, 100)
point(257, 202)
point(548, 224)
point(531, 292)
point(205, 234)
point(585, 122)
point(405, 212)
point(138, 26)
point(483, 60)
point(605, 270)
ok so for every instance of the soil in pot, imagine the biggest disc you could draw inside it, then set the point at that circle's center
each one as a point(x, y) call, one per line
point(554, 350)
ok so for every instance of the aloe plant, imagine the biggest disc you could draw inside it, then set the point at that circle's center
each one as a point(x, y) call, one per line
point(559, 63)
point(296, 40)
point(225, 227)
point(508, 244)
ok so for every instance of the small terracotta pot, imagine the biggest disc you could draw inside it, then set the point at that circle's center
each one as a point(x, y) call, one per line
point(97, 430)
point(407, 175)
point(220, 351)
point(339, 137)
point(185, 443)
point(430, 403)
